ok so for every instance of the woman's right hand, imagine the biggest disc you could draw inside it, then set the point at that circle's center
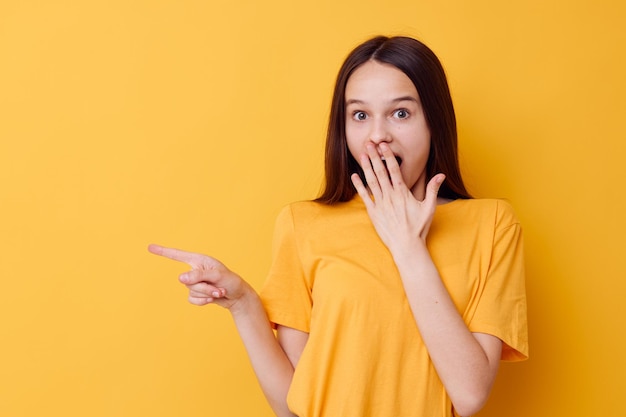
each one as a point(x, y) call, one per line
point(209, 280)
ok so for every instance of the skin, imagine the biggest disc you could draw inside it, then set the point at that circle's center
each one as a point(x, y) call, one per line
point(383, 107)
point(401, 208)
point(384, 121)
point(211, 282)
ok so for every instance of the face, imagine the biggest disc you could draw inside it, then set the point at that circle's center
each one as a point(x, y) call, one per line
point(382, 105)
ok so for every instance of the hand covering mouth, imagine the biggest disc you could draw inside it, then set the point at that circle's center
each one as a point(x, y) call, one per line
point(398, 160)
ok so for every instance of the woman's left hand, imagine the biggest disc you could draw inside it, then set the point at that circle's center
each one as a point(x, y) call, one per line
point(398, 217)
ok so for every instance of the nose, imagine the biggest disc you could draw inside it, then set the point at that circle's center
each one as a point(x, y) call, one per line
point(379, 132)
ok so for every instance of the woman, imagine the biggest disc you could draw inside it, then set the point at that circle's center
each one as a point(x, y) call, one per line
point(398, 302)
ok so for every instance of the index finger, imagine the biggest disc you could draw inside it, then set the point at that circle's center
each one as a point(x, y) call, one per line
point(189, 258)
point(392, 165)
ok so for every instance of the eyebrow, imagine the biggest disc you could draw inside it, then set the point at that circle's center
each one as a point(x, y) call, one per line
point(395, 100)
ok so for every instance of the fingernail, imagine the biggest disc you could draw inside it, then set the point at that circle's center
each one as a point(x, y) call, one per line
point(215, 294)
point(183, 278)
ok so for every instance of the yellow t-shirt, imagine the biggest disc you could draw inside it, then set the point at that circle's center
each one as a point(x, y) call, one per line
point(333, 277)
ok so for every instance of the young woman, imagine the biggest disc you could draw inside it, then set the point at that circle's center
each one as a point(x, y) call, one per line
point(400, 301)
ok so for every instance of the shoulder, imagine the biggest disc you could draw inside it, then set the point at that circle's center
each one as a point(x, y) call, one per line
point(300, 211)
point(313, 217)
point(482, 216)
point(499, 211)
point(310, 211)
point(297, 215)
point(503, 212)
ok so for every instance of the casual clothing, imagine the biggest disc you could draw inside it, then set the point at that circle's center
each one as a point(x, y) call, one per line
point(333, 277)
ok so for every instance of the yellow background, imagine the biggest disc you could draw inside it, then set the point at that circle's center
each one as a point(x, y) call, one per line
point(190, 123)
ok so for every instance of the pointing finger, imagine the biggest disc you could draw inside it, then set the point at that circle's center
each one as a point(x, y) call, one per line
point(189, 258)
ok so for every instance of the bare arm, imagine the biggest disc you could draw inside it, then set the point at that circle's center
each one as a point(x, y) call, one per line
point(209, 281)
point(292, 341)
point(271, 364)
point(467, 363)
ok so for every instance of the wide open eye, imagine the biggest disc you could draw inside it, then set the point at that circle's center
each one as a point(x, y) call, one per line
point(359, 115)
point(401, 113)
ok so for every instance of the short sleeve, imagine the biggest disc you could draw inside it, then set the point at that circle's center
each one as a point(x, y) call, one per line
point(501, 310)
point(286, 295)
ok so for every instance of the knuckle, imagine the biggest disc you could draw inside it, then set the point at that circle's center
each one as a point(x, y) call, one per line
point(380, 170)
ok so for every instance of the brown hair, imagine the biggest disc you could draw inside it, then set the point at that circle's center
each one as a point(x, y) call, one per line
point(423, 68)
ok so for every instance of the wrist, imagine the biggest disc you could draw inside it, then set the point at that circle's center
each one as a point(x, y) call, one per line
point(246, 302)
point(409, 251)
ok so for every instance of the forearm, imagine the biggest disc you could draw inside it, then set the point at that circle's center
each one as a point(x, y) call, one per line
point(270, 363)
point(461, 362)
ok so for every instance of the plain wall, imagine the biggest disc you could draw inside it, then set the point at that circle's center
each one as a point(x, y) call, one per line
point(191, 123)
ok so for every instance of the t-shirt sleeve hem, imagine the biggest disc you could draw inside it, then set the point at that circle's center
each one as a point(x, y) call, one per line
point(287, 320)
point(514, 349)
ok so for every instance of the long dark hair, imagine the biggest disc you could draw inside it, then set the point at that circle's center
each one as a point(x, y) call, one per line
point(423, 68)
